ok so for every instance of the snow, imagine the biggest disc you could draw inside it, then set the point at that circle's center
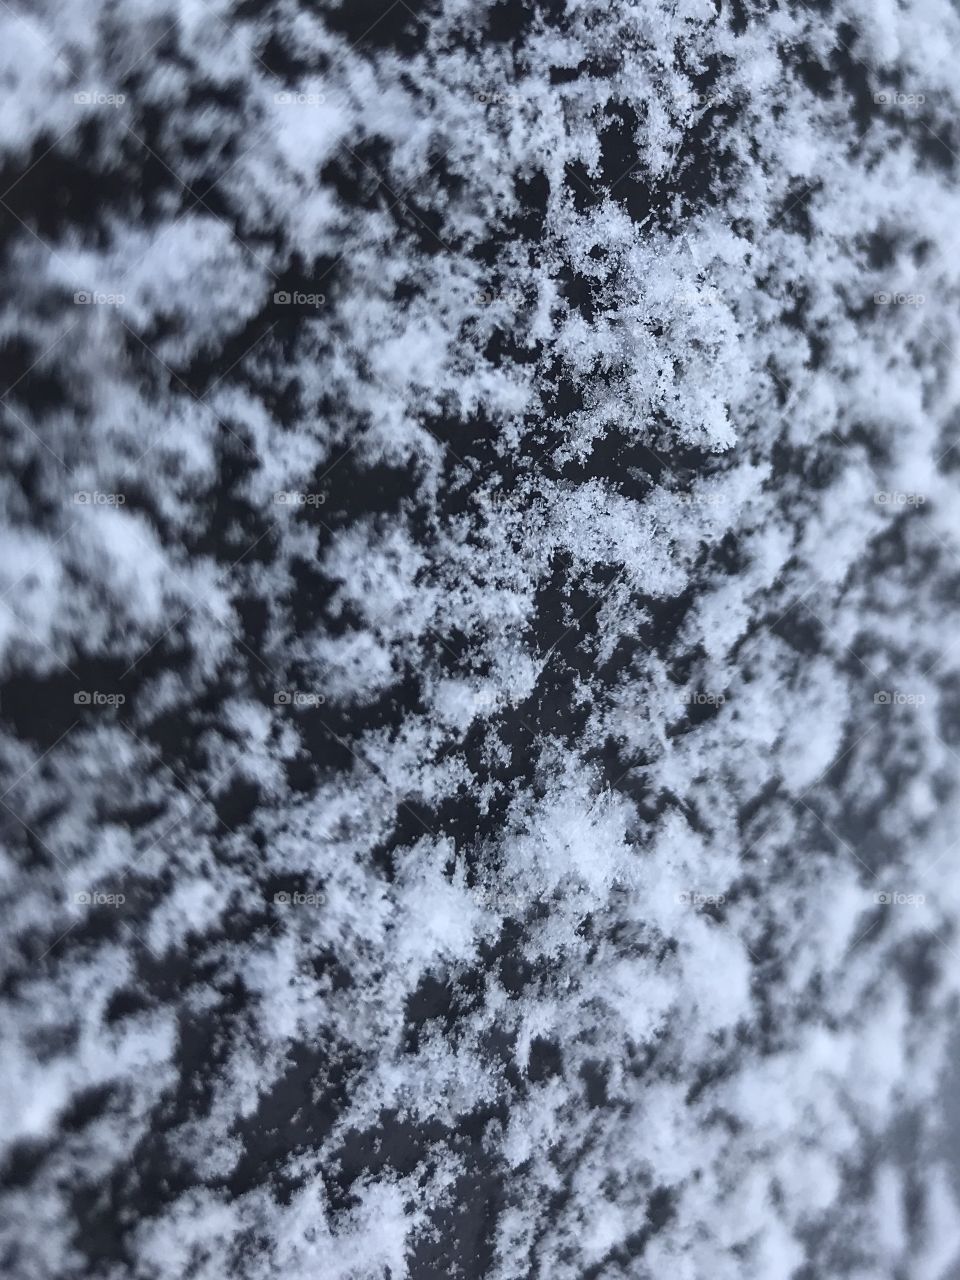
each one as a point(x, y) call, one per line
point(582, 911)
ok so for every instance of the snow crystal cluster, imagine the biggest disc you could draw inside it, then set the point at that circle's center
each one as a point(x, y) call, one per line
point(480, 682)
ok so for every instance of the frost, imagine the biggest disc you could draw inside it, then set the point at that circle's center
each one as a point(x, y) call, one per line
point(479, 684)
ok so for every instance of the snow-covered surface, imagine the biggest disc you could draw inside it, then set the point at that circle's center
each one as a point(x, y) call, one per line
point(480, 679)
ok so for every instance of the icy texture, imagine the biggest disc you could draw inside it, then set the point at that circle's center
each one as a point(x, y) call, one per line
point(526, 552)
